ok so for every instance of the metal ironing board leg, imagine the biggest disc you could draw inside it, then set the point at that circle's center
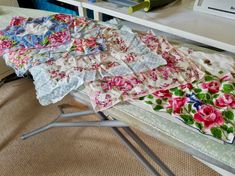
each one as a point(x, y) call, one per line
point(144, 147)
point(114, 125)
point(150, 153)
point(103, 123)
point(77, 114)
point(135, 152)
point(132, 148)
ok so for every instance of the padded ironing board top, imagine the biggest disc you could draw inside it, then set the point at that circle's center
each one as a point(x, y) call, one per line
point(169, 132)
point(152, 124)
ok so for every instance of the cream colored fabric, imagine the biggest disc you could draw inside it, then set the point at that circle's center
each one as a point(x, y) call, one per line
point(70, 151)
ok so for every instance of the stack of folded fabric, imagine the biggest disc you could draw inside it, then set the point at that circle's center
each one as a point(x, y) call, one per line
point(115, 64)
point(207, 104)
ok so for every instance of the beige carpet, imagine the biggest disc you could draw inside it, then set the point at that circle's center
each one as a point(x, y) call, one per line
point(70, 151)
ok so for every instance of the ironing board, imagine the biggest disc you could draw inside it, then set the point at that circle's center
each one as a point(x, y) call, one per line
point(127, 115)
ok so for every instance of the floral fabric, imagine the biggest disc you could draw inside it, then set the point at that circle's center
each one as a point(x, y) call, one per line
point(126, 55)
point(22, 60)
point(106, 92)
point(47, 38)
point(64, 52)
point(208, 61)
point(207, 105)
point(41, 32)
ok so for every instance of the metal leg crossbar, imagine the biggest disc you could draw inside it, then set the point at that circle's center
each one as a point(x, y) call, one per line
point(115, 125)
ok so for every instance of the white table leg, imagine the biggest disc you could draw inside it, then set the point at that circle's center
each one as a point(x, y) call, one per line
point(97, 16)
point(82, 12)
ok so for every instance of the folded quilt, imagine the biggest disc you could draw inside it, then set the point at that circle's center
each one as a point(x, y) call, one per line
point(207, 105)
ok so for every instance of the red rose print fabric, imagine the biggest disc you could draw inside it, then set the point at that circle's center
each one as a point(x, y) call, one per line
point(206, 104)
point(107, 92)
point(64, 52)
point(27, 42)
point(31, 33)
point(209, 116)
point(126, 55)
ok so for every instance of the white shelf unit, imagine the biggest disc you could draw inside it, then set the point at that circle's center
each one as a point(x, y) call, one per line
point(178, 19)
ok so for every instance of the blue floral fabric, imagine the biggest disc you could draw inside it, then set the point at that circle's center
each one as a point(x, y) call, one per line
point(35, 33)
point(27, 42)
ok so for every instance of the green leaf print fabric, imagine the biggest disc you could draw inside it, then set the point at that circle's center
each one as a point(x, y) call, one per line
point(207, 105)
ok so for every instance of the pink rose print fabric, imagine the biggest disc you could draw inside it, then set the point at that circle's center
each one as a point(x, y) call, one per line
point(207, 105)
point(31, 33)
point(126, 55)
point(209, 116)
point(64, 52)
point(226, 100)
point(22, 60)
point(106, 92)
point(41, 39)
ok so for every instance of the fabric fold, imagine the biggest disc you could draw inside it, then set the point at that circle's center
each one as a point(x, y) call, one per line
point(208, 104)
point(48, 38)
point(107, 92)
point(114, 64)
point(126, 54)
